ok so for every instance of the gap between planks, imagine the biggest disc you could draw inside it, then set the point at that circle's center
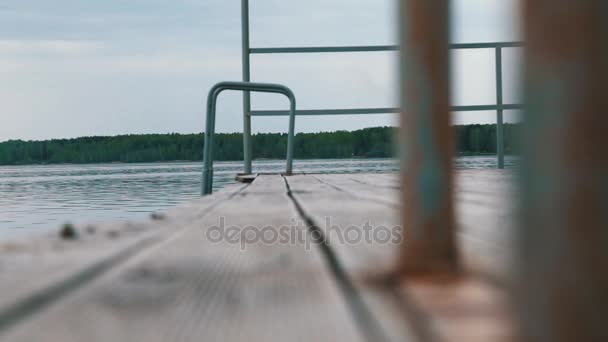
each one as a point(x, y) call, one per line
point(387, 307)
point(187, 290)
point(467, 307)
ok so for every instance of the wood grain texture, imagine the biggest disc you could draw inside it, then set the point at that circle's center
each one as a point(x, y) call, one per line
point(191, 289)
point(167, 281)
point(35, 268)
point(484, 208)
point(461, 308)
point(464, 308)
point(344, 220)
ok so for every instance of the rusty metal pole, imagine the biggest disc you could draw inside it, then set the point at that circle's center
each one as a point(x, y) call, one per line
point(426, 138)
point(562, 292)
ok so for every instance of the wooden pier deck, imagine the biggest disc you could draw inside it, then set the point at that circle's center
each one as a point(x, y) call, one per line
point(169, 279)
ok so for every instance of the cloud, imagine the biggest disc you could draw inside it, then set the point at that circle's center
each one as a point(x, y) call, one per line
point(78, 67)
point(57, 57)
point(37, 47)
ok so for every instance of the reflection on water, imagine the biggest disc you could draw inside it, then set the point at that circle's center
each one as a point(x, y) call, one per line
point(44, 196)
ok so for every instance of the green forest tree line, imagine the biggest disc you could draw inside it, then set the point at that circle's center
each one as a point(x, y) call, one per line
point(368, 142)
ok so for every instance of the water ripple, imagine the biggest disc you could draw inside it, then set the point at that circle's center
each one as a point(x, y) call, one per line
point(45, 196)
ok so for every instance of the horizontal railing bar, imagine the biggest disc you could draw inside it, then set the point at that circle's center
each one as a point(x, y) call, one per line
point(358, 111)
point(351, 111)
point(372, 48)
point(477, 108)
point(486, 45)
point(325, 49)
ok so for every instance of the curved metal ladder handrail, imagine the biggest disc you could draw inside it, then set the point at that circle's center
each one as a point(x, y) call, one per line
point(207, 178)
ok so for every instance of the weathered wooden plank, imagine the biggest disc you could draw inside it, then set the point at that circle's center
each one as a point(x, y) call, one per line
point(444, 309)
point(485, 222)
point(461, 308)
point(364, 187)
point(191, 289)
point(188, 287)
point(484, 213)
point(36, 269)
point(470, 307)
point(484, 187)
point(381, 180)
point(341, 216)
point(336, 211)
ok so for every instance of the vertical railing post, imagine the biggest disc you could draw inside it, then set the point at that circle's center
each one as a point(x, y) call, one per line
point(500, 141)
point(247, 145)
point(562, 279)
point(291, 135)
point(207, 174)
point(427, 140)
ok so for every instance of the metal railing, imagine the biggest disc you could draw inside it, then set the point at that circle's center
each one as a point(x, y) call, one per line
point(207, 177)
point(247, 51)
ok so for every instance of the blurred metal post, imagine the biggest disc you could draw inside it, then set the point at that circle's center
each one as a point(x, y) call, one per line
point(247, 146)
point(562, 279)
point(427, 142)
point(500, 141)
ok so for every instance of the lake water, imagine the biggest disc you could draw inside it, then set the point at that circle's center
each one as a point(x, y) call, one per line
point(36, 197)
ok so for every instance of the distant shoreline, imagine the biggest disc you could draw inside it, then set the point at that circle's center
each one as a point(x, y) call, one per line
point(195, 161)
point(375, 142)
point(236, 161)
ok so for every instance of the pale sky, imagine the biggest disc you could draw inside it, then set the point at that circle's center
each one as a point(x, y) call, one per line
point(72, 68)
